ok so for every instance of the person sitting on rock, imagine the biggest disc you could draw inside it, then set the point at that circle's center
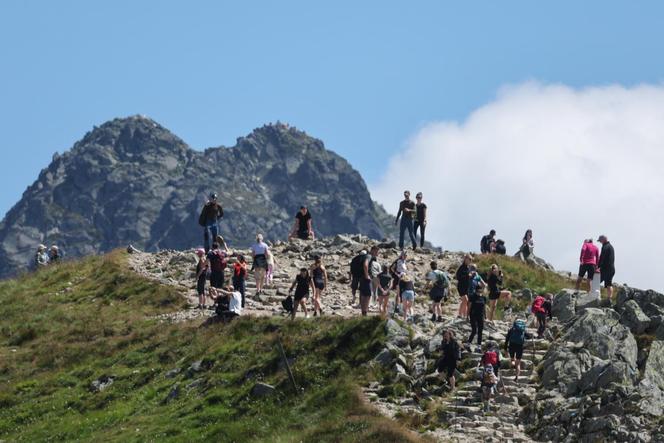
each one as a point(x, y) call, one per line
point(588, 259)
point(301, 284)
point(201, 276)
point(319, 279)
point(500, 247)
point(541, 308)
point(527, 246)
point(41, 257)
point(240, 276)
point(384, 283)
point(514, 342)
point(495, 281)
point(211, 213)
point(451, 355)
point(486, 241)
point(54, 255)
point(229, 303)
point(259, 252)
point(302, 227)
point(463, 283)
point(438, 284)
point(477, 303)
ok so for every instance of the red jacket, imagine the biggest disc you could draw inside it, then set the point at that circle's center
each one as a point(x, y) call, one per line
point(589, 254)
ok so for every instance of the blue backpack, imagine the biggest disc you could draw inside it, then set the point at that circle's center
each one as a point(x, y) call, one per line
point(518, 334)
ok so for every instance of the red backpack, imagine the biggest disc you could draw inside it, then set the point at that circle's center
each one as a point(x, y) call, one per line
point(538, 305)
point(490, 358)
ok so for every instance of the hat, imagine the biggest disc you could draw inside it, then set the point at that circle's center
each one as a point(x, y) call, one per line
point(54, 248)
point(213, 195)
point(363, 252)
point(41, 247)
point(200, 252)
point(601, 237)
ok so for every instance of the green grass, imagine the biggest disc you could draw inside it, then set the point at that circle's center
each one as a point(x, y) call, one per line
point(67, 325)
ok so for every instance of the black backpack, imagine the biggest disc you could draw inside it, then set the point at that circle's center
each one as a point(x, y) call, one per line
point(357, 265)
point(287, 304)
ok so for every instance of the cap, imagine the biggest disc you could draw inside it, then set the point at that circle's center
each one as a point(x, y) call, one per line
point(200, 252)
point(41, 247)
point(213, 195)
point(54, 248)
point(601, 237)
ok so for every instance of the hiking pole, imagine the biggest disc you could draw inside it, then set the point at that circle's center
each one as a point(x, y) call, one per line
point(288, 369)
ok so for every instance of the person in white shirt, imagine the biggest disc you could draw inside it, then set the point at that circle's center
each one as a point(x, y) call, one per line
point(259, 252)
point(229, 303)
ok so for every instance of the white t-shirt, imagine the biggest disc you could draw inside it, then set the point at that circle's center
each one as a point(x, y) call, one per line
point(401, 267)
point(235, 303)
point(260, 248)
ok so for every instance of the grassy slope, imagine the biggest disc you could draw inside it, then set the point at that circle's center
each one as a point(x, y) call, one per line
point(65, 326)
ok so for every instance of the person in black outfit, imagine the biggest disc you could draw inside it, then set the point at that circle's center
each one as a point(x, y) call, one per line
point(463, 281)
point(302, 227)
point(407, 208)
point(301, 284)
point(500, 247)
point(477, 307)
point(606, 265)
point(486, 242)
point(420, 218)
point(211, 213)
point(201, 276)
point(451, 355)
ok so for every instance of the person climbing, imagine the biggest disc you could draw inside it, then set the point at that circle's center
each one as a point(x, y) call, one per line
point(301, 285)
point(420, 218)
point(527, 245)
point(319, 276)
point(384, 283)
point(302, 227)
point(357, 272)
point(514, 342)
point(217, 260)
point(54, 255)
point(240, 277)
point(486, 241)
point(463, 282)
point(477, 302)
point(451, 355)
point(488, 386)
point(398, 268)
point(438, 283)
point(407, 290)
point(365, 281)
point(407, 209)
point(500, 247)
point(491, 357)
point(259, 252)
point(41, 257)
point(229, 303)
point(201, 275)
point(541, 308)
point(495, 282)
point(588, 259)
point(606, 265)
point(211, 213)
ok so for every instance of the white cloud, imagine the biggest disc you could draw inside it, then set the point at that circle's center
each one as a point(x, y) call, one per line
point(567, 163)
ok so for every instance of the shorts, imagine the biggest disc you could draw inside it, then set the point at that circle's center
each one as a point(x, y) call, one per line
point(365, 287)
point(200, 285)
point(303, 235)
point(395, 282)
point(515, 351)
point(463, 290)
point(448, 368)
point(297, 297)
point(437, 294)
point(495, 295)
point(319, 285)
point(217, 279)
point(355, 283)
point(408, 295)
point(607, 277)
point(587, 269)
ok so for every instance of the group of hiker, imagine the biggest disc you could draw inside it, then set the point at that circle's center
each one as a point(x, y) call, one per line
point(593, 261)
point(489, 244)
point(47, 256)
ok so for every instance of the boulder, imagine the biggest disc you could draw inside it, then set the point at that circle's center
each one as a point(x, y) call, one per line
point(634, 318)
point(585, 300)
point(262, 390)
point(564, 305)
point(384, 358)
point(101, 383)
point(654, 370)
point(396, 334)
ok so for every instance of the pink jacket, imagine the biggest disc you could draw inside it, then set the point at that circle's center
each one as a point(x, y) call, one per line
point(589, 254)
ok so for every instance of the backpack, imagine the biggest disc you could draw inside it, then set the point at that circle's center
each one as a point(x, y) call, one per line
point(489, 378)
point(287, 304)
point(357, 265)
point(474, 286)
point(218, 261)
point(490, 358)
point(442, 280)
point(538, 305)
point(518, 332)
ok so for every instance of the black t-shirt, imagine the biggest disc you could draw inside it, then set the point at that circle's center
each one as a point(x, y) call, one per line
point(450, 351)
point(406, 286)
point(303, 219)
point(494, 283)
point(407, 204)
point(607, 258)
point(384, 280)
point(420, 211)
point(463, 276)
point(477, 303)
point(485, 244)
point(302, 286)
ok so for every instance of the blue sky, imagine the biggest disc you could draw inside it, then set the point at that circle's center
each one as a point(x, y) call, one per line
point(362, 76)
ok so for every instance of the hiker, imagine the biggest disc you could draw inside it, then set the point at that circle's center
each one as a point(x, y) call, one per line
point(269, 273)
point(407, 209)
point(491, 357)
point(357, 272)
point(41, 257)
point(259, 252)
point(217, 260)
point(439, 283)
point(319, 277)
point(495, 282)
point(486, 240)
point(302, 226)
point(201, 276)
point(384, 282)
point(301, 285)
point(407, 290)
point(488, 386)
point(54, 255)
point(229, 303)
point(451, 355)
point(477, 303)
point(606, 265)
point(588, 259)
point(420, 218)
point(500, 247)
point(240, 276)
point(463, 281)
point(541, 308)
point(365, 281)
point(211, 213)
point(514, 342)
point(375, 269)
point(527, 245)
point(398, 268)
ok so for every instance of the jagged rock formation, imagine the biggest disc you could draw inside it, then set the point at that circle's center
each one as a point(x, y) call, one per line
point(132, 181)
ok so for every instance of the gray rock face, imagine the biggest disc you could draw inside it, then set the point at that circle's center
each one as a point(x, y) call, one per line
point(564, 305)
point(131, 181)
point(654, 371)
point(634, 318)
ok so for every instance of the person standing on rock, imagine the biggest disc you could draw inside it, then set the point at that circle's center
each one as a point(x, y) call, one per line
point(365, 282)
point(240, 276)
point(211, 213)
point(269, 274)
point(407, 290)
point(407, 209)
point(41, 257)
point(463, 282)
point(438, 283)
point(420, 218)
point(541, 309)
point(477, 303)
point(357, 272)
point(302, 227)
point(54, 255)
point(259, 252)
point(217, 260)
point(319, 276)
point(301, 285)
point(384, 282)
point(486, 241)
point(451, 355)
point(607, 265)
point(398, 269)
point(491, 358)
point(589, 258)
point(514, 342)
point(527, 245)
point(375, 269)
point(495, 282)
point(201, 275)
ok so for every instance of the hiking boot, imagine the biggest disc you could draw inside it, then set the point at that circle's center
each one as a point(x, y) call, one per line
point(433, 317)
point(440, 319)
point(478, 349)
point(315, 313)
